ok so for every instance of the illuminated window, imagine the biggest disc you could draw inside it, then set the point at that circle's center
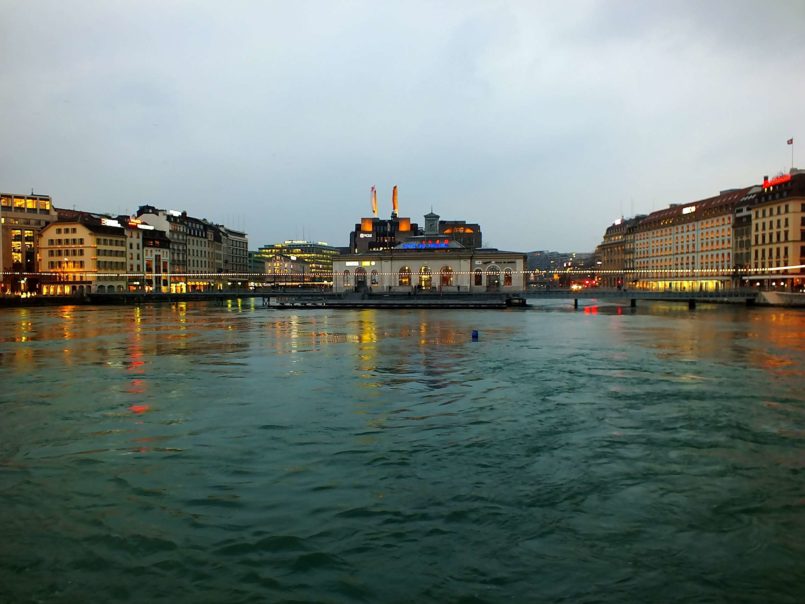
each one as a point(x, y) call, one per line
point(404, 276)
point(446, 276)
point(425, 280)
point(507, 277)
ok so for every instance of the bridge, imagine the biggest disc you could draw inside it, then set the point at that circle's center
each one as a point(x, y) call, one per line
point(308, 297)
point(313, 297)
point(726, 296)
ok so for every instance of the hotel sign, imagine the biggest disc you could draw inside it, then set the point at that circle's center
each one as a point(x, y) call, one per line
point(776, 181)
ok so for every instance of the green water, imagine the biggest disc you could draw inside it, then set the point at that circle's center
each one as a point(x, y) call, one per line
point(193, 453)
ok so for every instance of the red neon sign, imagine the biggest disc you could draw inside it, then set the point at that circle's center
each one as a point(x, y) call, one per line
point(778, 180)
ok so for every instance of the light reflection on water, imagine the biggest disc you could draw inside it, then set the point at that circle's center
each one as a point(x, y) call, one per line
point(200, 453)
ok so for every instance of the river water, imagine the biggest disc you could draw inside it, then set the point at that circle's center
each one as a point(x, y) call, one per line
point(197, 453)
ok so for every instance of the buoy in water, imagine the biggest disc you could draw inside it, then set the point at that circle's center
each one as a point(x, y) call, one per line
point(474, 335)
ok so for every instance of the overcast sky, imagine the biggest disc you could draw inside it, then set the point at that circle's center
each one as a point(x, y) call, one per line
point(542, 121)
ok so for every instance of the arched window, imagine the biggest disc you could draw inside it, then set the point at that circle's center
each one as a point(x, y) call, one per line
point(446, 274)
point(425, 280)
point(405, 276)
point(507, 278)
point(346, 279)
point(479, 277)
point(493, 277)
point(360, 276)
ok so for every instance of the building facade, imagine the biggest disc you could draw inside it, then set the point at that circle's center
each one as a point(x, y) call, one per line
point(318, 257)
point(778, 234)
point(22, 218)
point(687, 247)
point(285, 271)
point(157, 256)
point(204, 256)
point(430, 265)
point(84, 255)
point(616, 253)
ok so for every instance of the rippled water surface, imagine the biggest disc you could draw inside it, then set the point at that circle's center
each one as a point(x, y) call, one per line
point(194, 453)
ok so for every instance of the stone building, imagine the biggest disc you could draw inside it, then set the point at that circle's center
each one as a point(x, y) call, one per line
point(22, 218)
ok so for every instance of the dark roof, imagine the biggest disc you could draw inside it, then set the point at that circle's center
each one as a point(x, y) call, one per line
point(712, 205)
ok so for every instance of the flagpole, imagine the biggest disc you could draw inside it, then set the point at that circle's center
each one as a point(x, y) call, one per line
point(790, 141)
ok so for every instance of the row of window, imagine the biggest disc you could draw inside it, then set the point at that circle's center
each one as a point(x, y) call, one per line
point(776, 255)
point(71, 241)
point(25, 203)
point(62, 253)
point(761, 213)
point(446, 277)
point(762, 225)
point(762, 240)
point(53, 264)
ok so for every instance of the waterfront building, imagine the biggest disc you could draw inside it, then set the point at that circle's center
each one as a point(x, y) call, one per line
point(375, 234)
point(317, 255)
point(235, 251)
point(408, 260)
point(22, 218)
point(257, 265)
point(174, 225)
point(467, 234)
point(285, 270)
point(616, 252)
point(148, 256)
point(157, 256)
point(135, 253)
point(687, 247)
point(778, 234)
point(424, 264)
point(742, 236)
point(83, 253)
point(204, 255)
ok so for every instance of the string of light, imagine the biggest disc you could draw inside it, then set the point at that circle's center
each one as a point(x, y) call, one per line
point(215, 276)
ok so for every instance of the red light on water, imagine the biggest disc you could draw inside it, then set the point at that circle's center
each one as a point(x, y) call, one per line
point(140, 408)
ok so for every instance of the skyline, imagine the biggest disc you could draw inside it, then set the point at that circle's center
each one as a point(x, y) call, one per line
point(278, 119)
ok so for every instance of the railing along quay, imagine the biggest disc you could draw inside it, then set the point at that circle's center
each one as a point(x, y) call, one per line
point(624, 296)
